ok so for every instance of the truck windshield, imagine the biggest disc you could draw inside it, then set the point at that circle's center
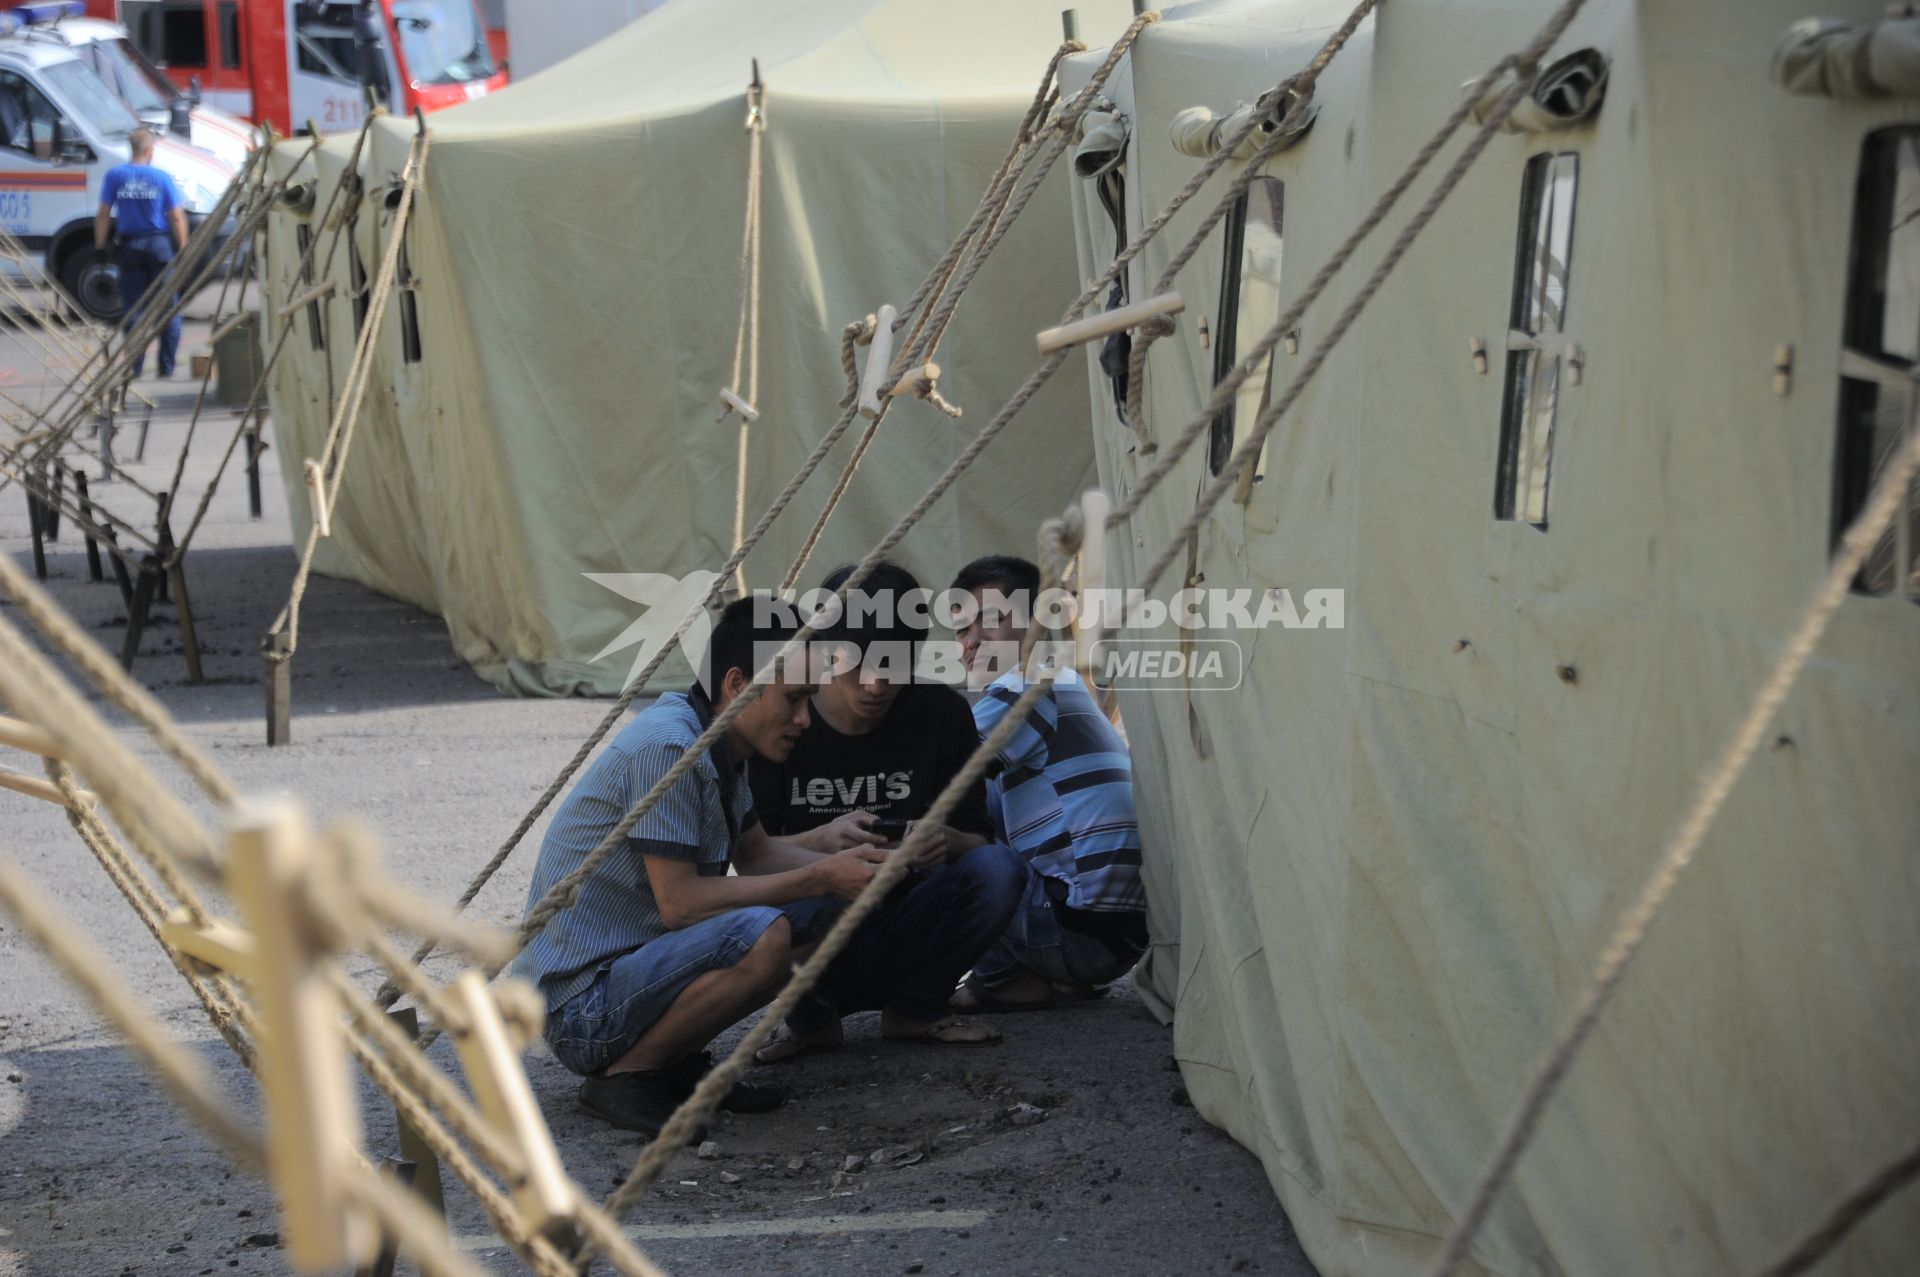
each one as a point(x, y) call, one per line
point(88, 98)
point(140, 84)
point(441, 41)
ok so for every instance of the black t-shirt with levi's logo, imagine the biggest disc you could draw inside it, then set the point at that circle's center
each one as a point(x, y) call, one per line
point(894, 771)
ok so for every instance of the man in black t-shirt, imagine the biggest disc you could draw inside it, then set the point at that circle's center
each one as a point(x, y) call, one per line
point(878, 750)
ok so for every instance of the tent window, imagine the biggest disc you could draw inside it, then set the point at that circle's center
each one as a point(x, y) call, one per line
point(1249, 307)
point(1880, 361)
point(1541, 272)
point(315, 323)
point(357, 276)
point(409, 300)
point(1110, 189)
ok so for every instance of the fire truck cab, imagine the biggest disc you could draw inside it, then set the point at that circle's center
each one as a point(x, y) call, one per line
point(291, 62)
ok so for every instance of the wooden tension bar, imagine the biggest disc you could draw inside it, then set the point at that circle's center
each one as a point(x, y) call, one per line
point(1107, 323)
point(879, 355)
point(313, 1124)
point(491, 1056)
point(1089, 620)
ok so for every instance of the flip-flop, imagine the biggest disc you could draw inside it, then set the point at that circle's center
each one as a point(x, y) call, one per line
point(940, 1032)
point(984, 1003)
point(785, 1045)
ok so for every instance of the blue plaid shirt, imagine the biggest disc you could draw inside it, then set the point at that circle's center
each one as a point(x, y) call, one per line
point(1066, 792)
point(698, 820)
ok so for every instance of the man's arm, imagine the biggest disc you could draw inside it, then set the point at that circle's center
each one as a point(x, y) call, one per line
point(685, 897)
point(102, 227)
point(759, 854)
point(178, 217)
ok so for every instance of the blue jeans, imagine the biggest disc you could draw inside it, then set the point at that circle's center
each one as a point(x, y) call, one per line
point(1035, 940)
point(142, 260)
point(630, 993)
point(911, 951)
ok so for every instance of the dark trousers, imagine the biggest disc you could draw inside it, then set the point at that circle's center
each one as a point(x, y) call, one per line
point(911, 952)
point(142, 259)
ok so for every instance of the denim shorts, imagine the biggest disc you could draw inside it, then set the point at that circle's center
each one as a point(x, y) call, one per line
point(1035, 940)
point(630, 993)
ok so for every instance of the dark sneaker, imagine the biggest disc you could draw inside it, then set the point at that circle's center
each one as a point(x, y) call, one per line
point(641, 1101)
point(745, 1097)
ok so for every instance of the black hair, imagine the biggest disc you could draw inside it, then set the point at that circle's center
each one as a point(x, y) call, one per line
point(1013, 577)
point(874, 611)
point(744, 626)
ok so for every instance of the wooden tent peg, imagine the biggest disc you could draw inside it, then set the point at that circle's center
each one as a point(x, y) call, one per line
point(735, 403)
point(879, 355)
point(1089, 621)
point(1119, 319)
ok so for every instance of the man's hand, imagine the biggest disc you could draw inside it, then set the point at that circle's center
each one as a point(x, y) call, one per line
point(943, 843)
point(846, 873)
point(848, 831)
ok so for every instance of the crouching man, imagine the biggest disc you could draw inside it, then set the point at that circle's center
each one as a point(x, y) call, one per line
point(1062, 794)
point(662, 949)
point(877, 751)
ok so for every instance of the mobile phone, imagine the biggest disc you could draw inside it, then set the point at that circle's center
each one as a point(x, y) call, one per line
point(891, 830)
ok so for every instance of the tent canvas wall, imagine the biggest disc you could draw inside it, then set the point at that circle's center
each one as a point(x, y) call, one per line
point(572, 276)
point(1382, 868)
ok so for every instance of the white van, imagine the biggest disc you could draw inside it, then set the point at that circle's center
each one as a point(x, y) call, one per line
point(144, 87)
point(61, 129)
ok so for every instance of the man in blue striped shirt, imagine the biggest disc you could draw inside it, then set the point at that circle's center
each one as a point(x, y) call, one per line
point(1062, 793)
point(662, 948)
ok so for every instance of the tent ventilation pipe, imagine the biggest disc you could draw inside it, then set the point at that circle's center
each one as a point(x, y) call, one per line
point(1565, 93)
point(1827, 58)
point(1198, 132)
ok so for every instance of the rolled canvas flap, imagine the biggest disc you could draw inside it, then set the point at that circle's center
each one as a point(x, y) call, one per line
point(1564, 94)
point(1825, 58)
point(1103, 143)
point(1198, 132)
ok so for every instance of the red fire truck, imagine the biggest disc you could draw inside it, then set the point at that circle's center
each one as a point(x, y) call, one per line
point(294, 61)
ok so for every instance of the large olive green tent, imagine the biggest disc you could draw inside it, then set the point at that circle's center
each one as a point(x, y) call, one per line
point(545, 392)
point(1383, 867)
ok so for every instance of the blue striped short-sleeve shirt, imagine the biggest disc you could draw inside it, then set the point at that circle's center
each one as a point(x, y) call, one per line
point(1066, 792)
point(697, 820)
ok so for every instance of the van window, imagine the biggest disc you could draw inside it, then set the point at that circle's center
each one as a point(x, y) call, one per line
point(26, 117)
point(1880, 359)
point(323, 39)
point(1542, 268)
point(230, 34)
point(171, 32)
point(1249, 306)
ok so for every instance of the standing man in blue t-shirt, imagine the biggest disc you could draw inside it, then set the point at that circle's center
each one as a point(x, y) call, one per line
point(142, 205)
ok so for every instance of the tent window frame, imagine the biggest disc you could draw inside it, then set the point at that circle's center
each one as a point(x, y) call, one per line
point(1225, 434)
point(316, 322)
point(359, 287)
point(408, 285)
point(1537, 353)
point(1883, 266)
